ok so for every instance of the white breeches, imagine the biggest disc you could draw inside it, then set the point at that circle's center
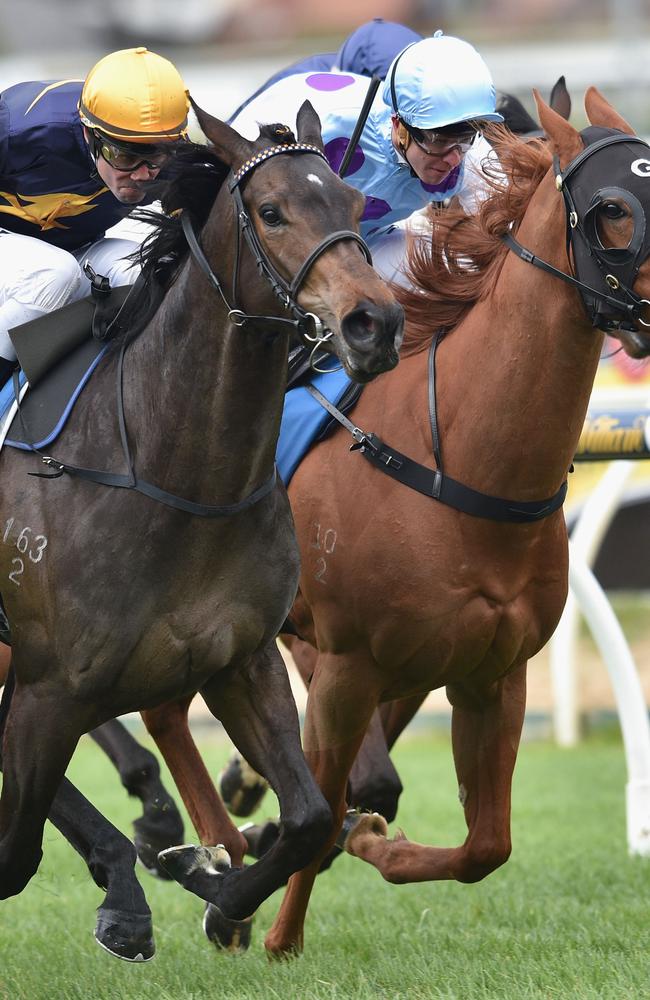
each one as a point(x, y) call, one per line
point(36, 278)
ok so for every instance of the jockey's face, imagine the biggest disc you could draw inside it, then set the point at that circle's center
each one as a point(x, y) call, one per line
point(129, 187)
point(431, 168)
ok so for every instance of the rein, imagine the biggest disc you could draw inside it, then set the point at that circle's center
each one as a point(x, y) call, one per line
point(285, 292)
point(588, 252)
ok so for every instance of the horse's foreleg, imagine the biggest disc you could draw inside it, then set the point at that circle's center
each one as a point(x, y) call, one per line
point(160, 825)
point(339, 708)
point(168, 725)
point(124, 919)
point(374, 782)
point(38, 744)
point(255, 705)
point(485, 740)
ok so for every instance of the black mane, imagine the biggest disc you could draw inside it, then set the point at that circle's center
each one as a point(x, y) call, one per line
point(192, 183)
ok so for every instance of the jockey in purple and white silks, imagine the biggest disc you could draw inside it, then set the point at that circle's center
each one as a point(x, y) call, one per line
point(421, 141)
point(368, 51)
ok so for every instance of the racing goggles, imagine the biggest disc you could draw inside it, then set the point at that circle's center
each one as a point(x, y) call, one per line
point(128, 158)
point(438, 142)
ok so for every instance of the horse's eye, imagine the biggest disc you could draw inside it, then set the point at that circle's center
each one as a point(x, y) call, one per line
point(611, 210)
point(269, 215)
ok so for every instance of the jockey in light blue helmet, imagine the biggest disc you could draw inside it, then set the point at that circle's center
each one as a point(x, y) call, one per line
point(441, 83)
point(439, 89)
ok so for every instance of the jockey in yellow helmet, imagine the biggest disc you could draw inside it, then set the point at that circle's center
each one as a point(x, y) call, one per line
point(75, 156)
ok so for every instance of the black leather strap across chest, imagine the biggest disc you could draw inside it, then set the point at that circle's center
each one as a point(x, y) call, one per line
point(435, 483)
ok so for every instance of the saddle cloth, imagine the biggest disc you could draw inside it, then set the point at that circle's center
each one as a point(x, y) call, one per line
point(45, 408)
point(305, 421)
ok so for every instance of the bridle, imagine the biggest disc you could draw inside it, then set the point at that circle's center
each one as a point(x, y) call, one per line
point(604, 276)
point(306, 324)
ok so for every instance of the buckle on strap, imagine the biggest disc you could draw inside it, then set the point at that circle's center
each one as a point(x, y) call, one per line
point(100, 286)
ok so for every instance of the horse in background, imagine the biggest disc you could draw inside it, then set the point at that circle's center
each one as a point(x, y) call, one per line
point(178, 578)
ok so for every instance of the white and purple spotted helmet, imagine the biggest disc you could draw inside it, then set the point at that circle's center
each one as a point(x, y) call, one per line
point(440, 81)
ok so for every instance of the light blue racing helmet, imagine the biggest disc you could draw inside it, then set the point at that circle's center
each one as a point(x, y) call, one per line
point(440, 81)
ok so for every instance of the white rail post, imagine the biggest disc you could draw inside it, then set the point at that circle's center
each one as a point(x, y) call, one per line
point(587, 536)
point(632, 711)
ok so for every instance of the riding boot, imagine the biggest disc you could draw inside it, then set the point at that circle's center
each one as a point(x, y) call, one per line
point(6, 369)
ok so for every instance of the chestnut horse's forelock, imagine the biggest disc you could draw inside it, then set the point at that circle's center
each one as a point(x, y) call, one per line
point(459, 264)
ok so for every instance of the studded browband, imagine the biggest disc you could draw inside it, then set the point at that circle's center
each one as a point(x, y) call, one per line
point(266, 154)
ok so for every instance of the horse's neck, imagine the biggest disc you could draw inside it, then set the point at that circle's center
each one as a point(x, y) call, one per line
point(204, 397)
point(514, 379)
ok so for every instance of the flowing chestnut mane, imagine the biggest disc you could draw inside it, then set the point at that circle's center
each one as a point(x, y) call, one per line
point(459, 264)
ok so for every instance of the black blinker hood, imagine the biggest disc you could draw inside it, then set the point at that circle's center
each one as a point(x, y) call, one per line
point(587, 183)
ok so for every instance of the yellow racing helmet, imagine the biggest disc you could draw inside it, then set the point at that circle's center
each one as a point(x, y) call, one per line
point(135, 96)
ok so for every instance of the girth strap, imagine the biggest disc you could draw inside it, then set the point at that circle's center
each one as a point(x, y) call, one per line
point(132, 482)
point(155, 492)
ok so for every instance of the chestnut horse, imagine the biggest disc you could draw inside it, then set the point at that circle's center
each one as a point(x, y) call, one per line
point(410, 593)
point(416, 594)
point(140, 587)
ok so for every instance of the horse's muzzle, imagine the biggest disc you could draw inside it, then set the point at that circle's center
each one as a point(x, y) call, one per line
point(373, 336)
point(636, 343)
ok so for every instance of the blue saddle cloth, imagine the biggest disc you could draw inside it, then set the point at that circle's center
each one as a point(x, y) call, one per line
point(303, 419)
point(47, 406)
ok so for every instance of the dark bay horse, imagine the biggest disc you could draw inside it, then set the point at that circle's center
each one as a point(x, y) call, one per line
point(177, 576)
point(409, 594)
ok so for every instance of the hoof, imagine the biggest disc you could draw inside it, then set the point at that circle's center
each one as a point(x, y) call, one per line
point(128, 936)
point(260, 839)
point(188, 860)
point(228, 935)
point(242, 789)
point(358, 824)
point(155, 833)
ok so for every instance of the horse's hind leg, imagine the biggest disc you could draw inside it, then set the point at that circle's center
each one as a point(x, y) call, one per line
point(168, 725)
point(485, 738)
point(160, 825)
point(255, 705)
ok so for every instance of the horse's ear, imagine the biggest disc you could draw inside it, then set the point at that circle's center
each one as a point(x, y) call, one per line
point(308, 125)
point(229, 145)
point(560, 99)
point(561, 134)
point(600, 112)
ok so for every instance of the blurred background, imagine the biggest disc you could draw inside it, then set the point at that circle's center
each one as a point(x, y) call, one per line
point(226, 48)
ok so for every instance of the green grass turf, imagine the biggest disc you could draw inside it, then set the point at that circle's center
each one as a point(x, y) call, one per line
point(567, 917)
